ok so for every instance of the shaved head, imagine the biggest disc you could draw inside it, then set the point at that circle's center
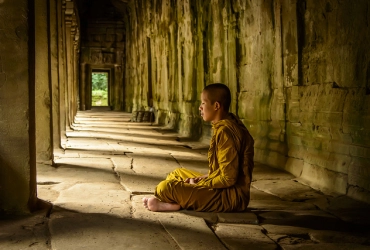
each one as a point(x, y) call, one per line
point(218, 92)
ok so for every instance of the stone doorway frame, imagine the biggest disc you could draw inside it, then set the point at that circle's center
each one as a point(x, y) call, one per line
point(110, 69)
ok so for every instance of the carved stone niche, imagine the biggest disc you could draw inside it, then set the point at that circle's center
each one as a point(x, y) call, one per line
point(96, 56)
point(108, 58)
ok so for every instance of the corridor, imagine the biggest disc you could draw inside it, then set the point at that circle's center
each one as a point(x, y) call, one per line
point(108, 166)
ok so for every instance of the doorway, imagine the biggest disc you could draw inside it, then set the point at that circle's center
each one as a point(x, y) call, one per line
point(99, 88)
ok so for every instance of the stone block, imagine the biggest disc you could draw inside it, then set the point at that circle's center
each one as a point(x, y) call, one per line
point(238, 218)
point(258, 195)
point(240, 236)
point(359, 173)
point(331, 161)
point(330, 99)
point(267, 205)
point(97, 231)
point(263, 172)
point(359, 194)
point(354, 102)
point(294, 140)
point(328, 119)
point(323, 179)
point(294, 166)
point(25, 232)
point(308, 96)
point(296, 151)
point(358, 151)
point(270, 158)
point(182, 227)
point(97, 197)
point(288, 190)
point(316, 157)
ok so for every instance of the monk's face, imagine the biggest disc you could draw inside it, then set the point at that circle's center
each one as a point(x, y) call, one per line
point(207, 109)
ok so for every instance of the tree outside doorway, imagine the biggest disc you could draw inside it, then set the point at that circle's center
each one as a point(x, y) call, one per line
point(99, 95)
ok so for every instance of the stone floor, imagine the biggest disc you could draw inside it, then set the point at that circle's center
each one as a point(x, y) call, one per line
point(109, 164)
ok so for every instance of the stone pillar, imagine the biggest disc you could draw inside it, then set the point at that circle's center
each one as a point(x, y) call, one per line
point(53, 43)
point(62, 73)
point(82, 86)
point(117, 85)
point(43, 102)
point(17, 108)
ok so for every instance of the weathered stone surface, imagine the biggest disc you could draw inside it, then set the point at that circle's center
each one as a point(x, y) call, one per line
point(97, 231)
point(181, 226)
point(289, 190)
point(25, 232)
point(314, 219)
point(154, 164)
point(98, 197)
point(256, 194)
point(279, 205)
point(138, 183)
point(238, 218)
point(263, 172)
point(17, 93)
point(328, 246)
point(318, 177)
point(345, 208)
point(242, 236)
point(83, 170)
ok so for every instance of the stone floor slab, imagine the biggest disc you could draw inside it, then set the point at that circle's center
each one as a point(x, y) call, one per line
point(256, 194)
point(313, 219)
point(25, 232)
point(190, 232)
point(154, 164)
point(236, 236)
point(289, 190)
point(326, 246)
point(238, 218)
point(263, 172)
point(138, 183)
point(100, 231)
point(279, 205)
point(74, 173)
point(182, 228)
point(97, 197)
point(345, 208)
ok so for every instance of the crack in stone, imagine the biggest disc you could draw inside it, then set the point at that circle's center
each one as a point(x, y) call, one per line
point(175, 159)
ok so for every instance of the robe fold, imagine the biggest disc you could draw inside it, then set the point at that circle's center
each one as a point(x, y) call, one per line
point(227, 187)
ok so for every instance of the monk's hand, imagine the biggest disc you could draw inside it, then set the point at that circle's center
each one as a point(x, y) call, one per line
point(199, 178)
point(190, 180)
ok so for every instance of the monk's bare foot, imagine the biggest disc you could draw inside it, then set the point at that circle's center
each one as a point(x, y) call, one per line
point(145, 202)
point(155, 205)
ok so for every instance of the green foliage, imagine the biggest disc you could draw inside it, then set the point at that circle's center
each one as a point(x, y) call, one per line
point(99, 98)
point(99, 89)
point(100, 81)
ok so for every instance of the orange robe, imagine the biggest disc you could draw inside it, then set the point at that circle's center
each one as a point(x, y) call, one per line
point(227, 187)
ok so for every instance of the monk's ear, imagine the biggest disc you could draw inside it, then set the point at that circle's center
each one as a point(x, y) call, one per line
point(217, 105)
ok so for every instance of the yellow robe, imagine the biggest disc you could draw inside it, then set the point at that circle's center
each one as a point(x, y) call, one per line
point(227, 187)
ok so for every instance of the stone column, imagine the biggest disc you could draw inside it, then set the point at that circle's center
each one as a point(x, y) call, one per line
point(62, 72)
point(69, 61)
point(53, 43)
point(43, 102)
point(82, 86)
point(17, 108)
point(117, 85)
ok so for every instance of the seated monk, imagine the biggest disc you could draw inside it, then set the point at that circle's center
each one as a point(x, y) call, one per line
point(226, 187)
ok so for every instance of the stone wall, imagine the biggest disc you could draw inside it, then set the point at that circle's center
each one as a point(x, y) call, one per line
point(298, 72)
point(17, 109)
point(328, 134)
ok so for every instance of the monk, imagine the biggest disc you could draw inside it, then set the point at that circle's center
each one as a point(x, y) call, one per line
point(226, 186)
